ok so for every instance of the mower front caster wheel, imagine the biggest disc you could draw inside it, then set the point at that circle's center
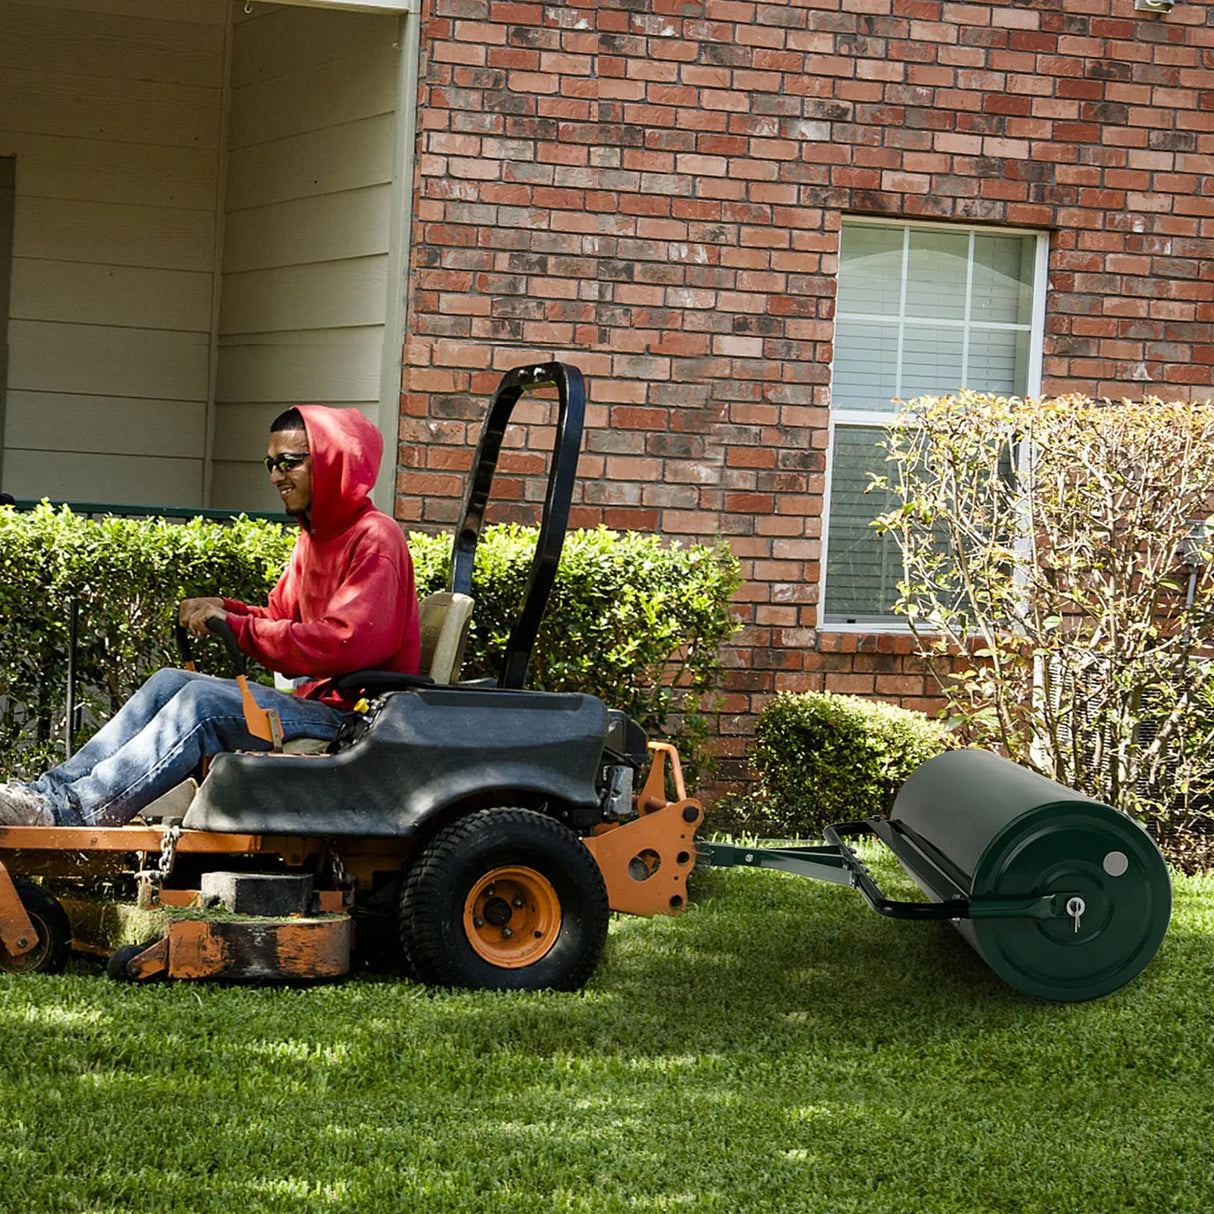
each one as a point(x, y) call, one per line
point(117, 966)
point(50, 921)
point(504, 899)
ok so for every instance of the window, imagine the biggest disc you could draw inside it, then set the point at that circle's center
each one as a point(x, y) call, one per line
point(921, 309)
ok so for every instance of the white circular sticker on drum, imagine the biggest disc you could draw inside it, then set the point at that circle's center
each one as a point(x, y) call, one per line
point(1116, 863)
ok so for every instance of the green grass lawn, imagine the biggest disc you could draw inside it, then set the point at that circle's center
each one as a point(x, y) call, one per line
point(779, 1047)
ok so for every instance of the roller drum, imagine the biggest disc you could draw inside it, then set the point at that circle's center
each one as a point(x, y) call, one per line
point(1002, 832)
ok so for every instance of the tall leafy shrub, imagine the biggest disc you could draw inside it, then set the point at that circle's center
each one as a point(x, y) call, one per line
point(1065, 544)
point(630, 620)
point(634, 621)
point(125, 578)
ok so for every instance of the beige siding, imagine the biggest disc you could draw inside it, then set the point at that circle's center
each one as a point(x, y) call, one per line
point(311, 162)
point(318, 367)
point(128, 296)
point(324, 295)
point(333, 226)
point(114, 112)
point(178, 435)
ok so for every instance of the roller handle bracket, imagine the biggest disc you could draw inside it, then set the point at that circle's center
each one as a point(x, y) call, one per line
point(955, 907)
point(928, 868)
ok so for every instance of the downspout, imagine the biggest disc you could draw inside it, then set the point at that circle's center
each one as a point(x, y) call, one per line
point(8, 206)
point(221, 198)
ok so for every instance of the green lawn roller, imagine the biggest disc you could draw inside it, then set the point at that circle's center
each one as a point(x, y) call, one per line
point(1062, 896)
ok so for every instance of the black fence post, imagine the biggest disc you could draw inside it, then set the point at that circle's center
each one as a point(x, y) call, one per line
point(69, 716)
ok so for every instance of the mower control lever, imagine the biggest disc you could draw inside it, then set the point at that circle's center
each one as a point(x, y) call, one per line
point(261, 722)
point(224, 631)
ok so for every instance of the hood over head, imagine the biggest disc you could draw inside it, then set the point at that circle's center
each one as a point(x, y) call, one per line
point(346, 452)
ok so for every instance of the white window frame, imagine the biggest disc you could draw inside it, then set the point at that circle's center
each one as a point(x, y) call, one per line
point(859, 418)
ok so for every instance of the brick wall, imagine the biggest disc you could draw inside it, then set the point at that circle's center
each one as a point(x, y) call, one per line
point(653, 190)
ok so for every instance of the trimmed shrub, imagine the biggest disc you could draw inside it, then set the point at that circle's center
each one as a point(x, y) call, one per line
point(630, 620)
point(125, 577)
point(823, 758)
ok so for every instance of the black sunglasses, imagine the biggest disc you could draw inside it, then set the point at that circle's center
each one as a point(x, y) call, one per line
point(285, 462)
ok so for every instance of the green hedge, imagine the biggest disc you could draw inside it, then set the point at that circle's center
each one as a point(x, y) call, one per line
point(632, 620)
point(823, 758)
point(126, 577)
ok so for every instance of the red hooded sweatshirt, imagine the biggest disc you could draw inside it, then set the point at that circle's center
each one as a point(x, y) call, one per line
point(346, 601)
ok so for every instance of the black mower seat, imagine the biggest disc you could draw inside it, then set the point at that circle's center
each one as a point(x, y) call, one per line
point(444, 618)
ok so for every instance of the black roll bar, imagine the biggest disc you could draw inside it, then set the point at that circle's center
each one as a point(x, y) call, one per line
point(562, 474)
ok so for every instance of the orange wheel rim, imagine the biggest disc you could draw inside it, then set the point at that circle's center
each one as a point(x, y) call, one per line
point(512, 917)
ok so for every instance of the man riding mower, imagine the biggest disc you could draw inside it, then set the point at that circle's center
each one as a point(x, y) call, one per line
point(495, 827)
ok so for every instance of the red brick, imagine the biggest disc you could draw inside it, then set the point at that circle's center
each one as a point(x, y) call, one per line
point(674, 232)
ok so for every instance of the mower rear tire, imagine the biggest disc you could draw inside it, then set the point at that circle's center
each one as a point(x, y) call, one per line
point(50, 954)
point(504, 899)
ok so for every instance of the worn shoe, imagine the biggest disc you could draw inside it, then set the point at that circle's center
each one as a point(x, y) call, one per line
point(21, 806)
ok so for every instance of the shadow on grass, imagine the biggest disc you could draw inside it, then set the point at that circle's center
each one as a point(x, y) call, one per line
point(762, 948)
point(752, 948)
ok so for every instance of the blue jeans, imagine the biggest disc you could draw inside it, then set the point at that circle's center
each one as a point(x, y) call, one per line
point(157, 739)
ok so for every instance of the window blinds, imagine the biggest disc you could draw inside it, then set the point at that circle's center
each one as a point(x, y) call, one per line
point(920, 311)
